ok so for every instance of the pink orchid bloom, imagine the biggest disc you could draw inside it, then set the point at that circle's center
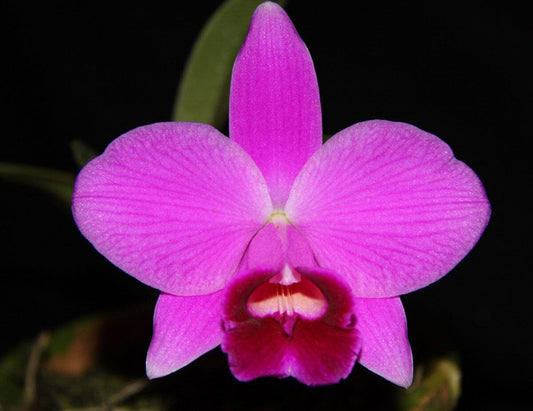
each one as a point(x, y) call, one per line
point(288, 253)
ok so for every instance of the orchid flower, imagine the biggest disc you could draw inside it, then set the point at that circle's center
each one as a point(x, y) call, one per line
point(288, 253)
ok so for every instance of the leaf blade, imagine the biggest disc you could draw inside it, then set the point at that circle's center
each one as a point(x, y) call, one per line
point(203, 92)
point(57, 183)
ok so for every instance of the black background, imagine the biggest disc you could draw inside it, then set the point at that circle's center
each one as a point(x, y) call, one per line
point(92, 72)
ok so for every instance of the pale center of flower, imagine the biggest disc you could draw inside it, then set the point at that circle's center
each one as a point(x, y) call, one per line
point(278, 217)
point(287, 294)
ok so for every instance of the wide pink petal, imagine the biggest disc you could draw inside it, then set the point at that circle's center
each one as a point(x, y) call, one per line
point(385, 348)
point(274, 103)
point(184, 329)
point(172, 204)
point(388, 206)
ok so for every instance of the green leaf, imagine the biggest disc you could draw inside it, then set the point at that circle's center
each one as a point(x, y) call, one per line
point(437, 386)
point(57, 183)
point(82, 152)
point(204, 88)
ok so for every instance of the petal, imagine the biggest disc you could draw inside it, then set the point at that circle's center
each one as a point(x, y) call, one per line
point(172, 204)
point(274, 102)
point(184, 329)
point(315, 352)
point(299, 252)
point(266, 251)
point(274, 246)
point(326, 351)
point(385, 348)
point(388, 206)
point(324, 354)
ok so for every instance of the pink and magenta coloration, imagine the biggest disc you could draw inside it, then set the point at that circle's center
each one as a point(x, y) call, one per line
point(288, 253)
